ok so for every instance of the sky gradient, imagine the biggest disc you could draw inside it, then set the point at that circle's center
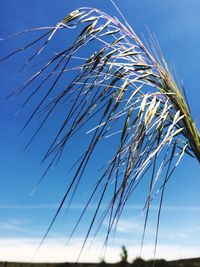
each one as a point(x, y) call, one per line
point(24, 216)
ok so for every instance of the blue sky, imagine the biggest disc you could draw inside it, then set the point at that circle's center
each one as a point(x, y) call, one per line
point(25, 217)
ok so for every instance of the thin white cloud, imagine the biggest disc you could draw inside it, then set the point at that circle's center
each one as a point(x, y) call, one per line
point(29, 207)
point(174, 235)
point(128, 226)
point(166, 208)
point(135, 227)
point(21, 228)
point(92, 207)
point(13, 249)
point(9, 226)
point(182, 208)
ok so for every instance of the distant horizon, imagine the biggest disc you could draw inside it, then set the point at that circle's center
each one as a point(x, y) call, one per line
point(100, 261)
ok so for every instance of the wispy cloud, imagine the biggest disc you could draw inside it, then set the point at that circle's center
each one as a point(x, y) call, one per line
point(166, 208)
point(20, 228)
point(29, 207)
point(174, 235)
point(134, 227)
point(9, 226)
point(92, 207)
point(128, 226)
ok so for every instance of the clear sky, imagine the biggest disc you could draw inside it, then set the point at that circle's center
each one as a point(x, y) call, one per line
point(25, 217)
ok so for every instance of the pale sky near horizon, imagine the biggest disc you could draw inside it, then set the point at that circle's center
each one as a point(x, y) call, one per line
point(24, 217)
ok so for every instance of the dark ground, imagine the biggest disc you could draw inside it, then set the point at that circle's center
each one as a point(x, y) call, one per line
point(136, 263)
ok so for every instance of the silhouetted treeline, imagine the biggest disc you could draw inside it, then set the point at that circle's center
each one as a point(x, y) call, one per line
point(136, 263)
